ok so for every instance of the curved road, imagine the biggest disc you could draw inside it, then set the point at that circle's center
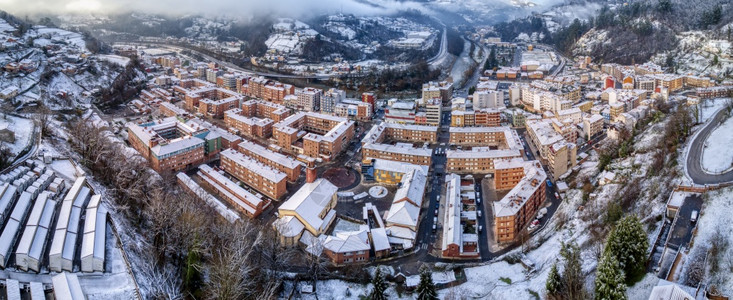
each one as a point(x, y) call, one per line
point(694, 155)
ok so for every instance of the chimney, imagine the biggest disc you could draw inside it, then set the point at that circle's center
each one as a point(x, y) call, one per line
point(310, 173)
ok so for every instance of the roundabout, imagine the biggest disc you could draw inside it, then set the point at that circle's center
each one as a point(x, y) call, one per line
point(378, 192)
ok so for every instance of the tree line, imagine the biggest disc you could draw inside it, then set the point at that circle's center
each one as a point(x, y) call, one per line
point(182, 246)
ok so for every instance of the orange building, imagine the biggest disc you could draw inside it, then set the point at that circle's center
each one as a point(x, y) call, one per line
point(313, 134)
point(518, 208)
point(266, 180)
point(168, 144)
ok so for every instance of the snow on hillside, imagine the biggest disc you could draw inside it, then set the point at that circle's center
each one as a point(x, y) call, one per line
point(715, 155)
point(55, 34)
point(115, 59)
point(696, 53)
point(21, 127)
point(5, 27)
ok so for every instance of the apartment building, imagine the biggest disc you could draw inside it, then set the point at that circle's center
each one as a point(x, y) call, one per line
point(282, 163)
point(698, 81)
point(401, 152)
point(212, 101)
point(714, 92)
point(488, 99)
point(263, 109)
point(263, 178)
point(433, 111)
point(517, 209)
point(353, 109)
point(168, 144)
point(171, 110)
point(559, 153)
point(256, 118)
point(592, 125)
point(268, 90)
point(400, 112)
point(670, 81)
point(477, 160)
point(241, 199)
point(330, 98)
point(248, 126)
point(371, 99)
point(314, 135)
point(308, 99)
point(485, 136)
point(508, 173)
point(442, 90)
point(377, 143)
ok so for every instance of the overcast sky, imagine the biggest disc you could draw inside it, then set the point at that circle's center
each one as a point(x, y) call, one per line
point(210, 7)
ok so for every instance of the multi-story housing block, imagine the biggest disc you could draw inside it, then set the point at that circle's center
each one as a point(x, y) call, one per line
point(513, 212)
point(313, 134)
point(263, 178)
point(168, 144)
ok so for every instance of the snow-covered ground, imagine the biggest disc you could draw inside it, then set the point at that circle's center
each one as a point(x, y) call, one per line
point(715, 155)
point(65, 169)
point(115, 59)
point(23, 129)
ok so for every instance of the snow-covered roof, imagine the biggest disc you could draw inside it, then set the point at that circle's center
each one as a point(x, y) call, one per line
point(379, 239)
point(231, 190)
point(310, 201)
point(289, 226)
point(666, 290)
point(412, 187)
point(253, 165)
point(66, 286)
point(534, 178)
point(452, 228)
point(400, 232)
point(403, 213)
point(344, 242)
point(268, 154)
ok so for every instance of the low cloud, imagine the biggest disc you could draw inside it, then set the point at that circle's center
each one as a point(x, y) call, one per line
point(235, 8)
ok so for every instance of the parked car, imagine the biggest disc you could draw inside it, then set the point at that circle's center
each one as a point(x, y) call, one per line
point(480, 228)
point(557, 196)
point(479, 213)
point(693, 218)
point(434, 227)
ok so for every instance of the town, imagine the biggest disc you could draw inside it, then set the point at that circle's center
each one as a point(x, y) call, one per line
point(161, 168)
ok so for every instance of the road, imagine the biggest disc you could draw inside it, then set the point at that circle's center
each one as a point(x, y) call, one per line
point(443, 52)
point(36, 135)
point(694, 155)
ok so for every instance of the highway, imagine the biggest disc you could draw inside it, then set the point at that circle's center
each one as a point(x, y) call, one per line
point(694, 155)
point(443, 52)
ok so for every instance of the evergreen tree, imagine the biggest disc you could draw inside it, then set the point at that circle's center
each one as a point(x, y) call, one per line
point(572, 275)
point(628, 243)
point(610, 280)
point(379, 286)
point(554, 282)
point(426, 287)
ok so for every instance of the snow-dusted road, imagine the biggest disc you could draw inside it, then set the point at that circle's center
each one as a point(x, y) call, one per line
point(694, 157)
